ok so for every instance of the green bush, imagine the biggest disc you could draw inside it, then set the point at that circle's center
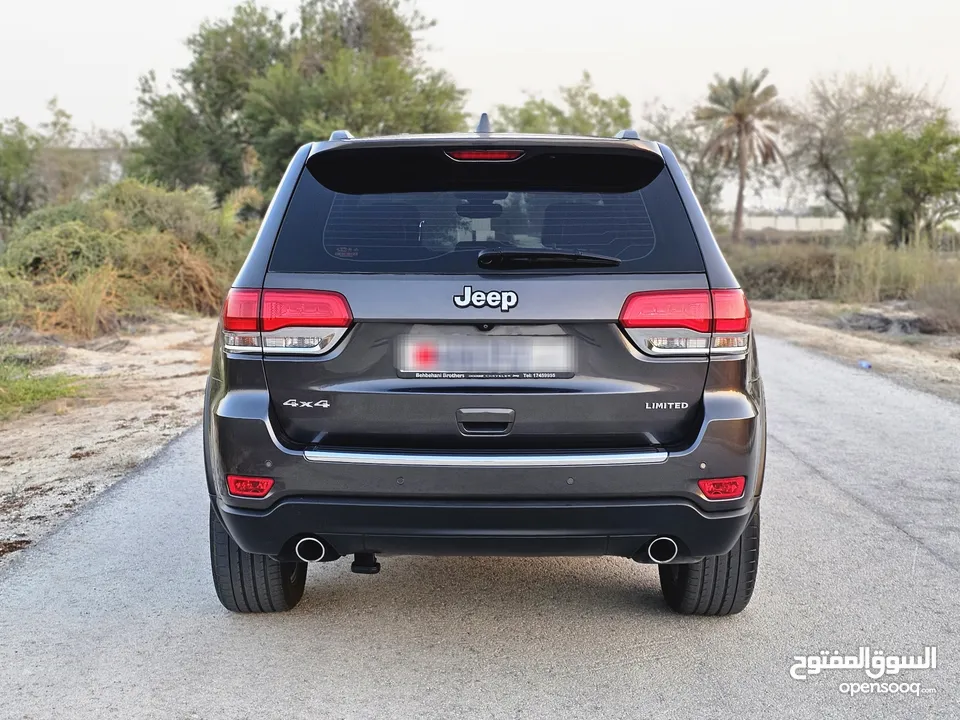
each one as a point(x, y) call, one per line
point(67, 251)
point(53, 215)
point(190, 215)
point(16, 295)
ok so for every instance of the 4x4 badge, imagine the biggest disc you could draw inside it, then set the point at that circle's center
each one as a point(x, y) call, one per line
point(503, 299)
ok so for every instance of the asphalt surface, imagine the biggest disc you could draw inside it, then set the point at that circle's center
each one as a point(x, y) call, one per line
point(114, 615)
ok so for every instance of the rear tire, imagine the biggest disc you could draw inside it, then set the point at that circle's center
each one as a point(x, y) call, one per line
point(719, 584)
point(249, 583)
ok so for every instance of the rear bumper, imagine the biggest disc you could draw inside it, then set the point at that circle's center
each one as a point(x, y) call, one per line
point(559, 504)
point(449, 527)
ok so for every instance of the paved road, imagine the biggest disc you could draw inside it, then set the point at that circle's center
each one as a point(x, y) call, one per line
point(114, 615)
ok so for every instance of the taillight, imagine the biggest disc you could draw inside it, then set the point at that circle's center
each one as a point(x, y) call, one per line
point(731, 322)
point(484, 155)
point(687, 322)
point(241, 320)
point(284, 321)
point(241, 310)
point(731, 314)
point(247, 486)
point(728, 488)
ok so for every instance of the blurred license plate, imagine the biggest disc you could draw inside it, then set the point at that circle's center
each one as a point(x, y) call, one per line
point(498, 357)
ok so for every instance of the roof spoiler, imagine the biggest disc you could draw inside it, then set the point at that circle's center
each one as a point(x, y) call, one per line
point(393, 165)
point(484, 127)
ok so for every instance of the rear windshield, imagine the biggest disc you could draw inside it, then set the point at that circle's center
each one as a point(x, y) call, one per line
point(442, 232)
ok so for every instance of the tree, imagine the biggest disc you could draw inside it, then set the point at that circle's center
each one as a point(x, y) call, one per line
point(255, 89)
point(747, 117)
point(915, 178)
point(50, 164)
point(173, 141)
point(840, 111)
point(584, 112)
point(20, 187)
point(688, 139)
point(357, 90)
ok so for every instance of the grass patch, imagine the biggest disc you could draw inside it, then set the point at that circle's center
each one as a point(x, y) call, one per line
point(21, 389)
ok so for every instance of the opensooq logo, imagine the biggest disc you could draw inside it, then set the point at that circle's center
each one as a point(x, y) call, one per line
point(875, 664)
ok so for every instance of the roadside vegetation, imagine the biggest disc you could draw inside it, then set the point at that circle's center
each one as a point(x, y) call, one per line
point(23, 388)
point(871, 272)
point(98, 230)
point(85, 268)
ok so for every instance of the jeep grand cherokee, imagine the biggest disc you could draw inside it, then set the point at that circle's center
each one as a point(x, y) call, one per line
point(484, 344)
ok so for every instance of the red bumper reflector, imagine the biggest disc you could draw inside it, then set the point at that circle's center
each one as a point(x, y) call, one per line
point(245, 486)
point(729, 488)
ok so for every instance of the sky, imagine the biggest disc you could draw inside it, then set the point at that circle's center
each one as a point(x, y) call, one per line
point(89, 54)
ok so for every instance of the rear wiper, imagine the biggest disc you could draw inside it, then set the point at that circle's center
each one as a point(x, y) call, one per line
point(542, 258)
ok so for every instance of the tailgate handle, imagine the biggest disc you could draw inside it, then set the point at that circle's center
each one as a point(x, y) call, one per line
point(485, 421)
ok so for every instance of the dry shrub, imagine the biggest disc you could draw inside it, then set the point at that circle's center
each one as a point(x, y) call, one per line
point(160, 270)
point(939, 305)
point(196, 282)
point(85, 307)
point(878, 272)
point(869, 272)
point(786, 272)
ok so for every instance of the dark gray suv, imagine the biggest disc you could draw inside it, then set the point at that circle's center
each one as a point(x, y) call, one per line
point(485, 344)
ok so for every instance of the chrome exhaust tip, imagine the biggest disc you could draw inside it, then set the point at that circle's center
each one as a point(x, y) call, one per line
point(310, 549)
point(662, 550)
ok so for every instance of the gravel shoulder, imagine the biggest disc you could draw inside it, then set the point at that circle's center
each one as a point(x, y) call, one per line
point(144, 389)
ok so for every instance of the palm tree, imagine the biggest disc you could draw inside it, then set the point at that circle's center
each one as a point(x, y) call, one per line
point(747, 118)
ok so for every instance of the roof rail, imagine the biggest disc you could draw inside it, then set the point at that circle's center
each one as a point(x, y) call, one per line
point(628, 134)
point(484, 125)
point(340, 135)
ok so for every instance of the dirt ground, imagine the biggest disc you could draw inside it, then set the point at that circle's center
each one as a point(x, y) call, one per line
point(144, 389)
point(925, 362)
point(147, 387)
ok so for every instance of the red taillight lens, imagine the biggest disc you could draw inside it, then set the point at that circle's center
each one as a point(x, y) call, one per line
point(689, 309)
point(729, 488)
point(240, 311)
point(246, 486)
point(486, 155)
point(731, 313)
point(304, 308)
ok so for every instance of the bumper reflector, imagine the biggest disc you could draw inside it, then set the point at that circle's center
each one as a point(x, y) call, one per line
point(245, 486)
point(729, 488)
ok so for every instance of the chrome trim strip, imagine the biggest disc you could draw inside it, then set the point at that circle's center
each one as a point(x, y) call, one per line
point(598, 459)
